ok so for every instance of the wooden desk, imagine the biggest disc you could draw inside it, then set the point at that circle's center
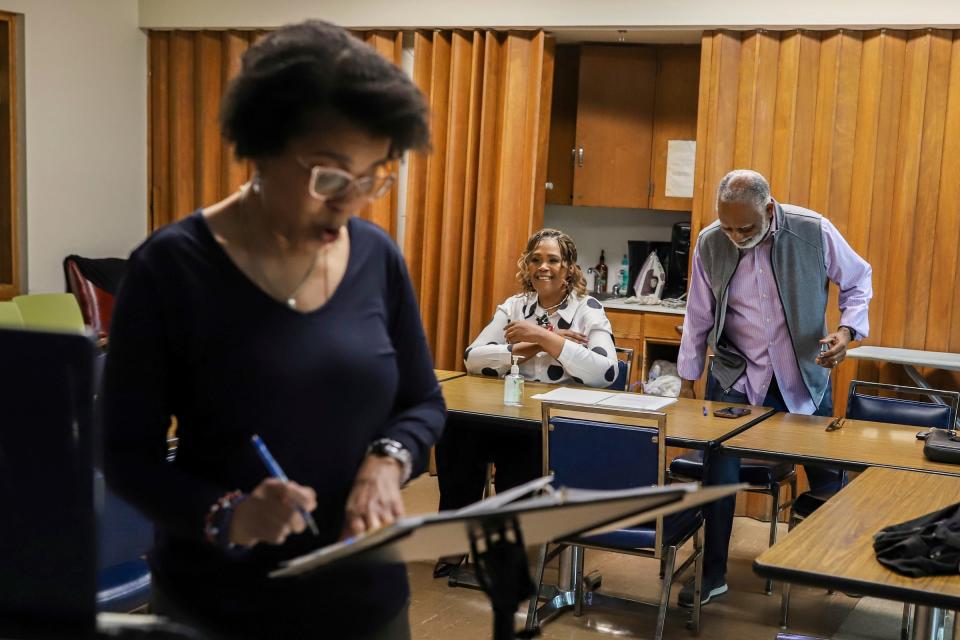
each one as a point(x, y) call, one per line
point(833, 548)
point(443, 375)
point(856, 446)
point(482, 398)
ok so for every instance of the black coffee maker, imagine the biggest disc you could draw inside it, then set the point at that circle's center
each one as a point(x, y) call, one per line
point(674, 258)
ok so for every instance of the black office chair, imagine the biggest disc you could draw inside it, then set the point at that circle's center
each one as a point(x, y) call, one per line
point(600, 455)
point(763, 476)
point(941, 412)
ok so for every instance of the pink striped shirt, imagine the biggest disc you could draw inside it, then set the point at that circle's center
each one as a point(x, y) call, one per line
point(755, 324)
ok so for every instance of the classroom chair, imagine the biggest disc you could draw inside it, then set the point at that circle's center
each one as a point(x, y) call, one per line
point(622, 381)
point(598, 455)
point(763, 476)
point(95, 282)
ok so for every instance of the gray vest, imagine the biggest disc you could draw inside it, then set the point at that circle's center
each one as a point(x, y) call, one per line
point(801, 276)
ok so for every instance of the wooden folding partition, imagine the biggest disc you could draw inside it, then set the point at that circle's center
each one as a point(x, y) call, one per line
point(473, 201)
point(190, 166)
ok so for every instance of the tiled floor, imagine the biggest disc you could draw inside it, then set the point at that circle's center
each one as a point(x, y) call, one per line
point(440, 612)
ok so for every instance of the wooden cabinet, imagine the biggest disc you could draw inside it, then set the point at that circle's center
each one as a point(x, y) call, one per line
point(614, 109)
point(614, 126)
point(652, 336)
point(674, 117)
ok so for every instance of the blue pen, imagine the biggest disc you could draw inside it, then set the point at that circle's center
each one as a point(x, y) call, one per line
point(278, 473)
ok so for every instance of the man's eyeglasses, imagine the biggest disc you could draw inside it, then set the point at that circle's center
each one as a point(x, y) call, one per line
point(328, 183)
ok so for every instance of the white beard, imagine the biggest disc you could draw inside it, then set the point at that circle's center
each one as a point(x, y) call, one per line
point(757, 239)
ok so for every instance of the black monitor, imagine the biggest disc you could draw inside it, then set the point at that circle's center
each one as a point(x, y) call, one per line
point(47, 532)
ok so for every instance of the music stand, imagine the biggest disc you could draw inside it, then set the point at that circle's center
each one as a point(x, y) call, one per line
point(497, 532)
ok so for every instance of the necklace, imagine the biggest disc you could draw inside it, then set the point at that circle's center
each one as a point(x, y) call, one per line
point(291, 298)
point(544, 319)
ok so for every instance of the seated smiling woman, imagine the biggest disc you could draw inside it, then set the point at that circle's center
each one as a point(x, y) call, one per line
point(563, 336)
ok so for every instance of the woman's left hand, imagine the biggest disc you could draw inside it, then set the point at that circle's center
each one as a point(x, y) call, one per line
point(524, 331)
point(374, 501)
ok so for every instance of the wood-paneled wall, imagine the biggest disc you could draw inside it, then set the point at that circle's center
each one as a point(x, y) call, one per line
point(189, 164)
point(863, 127)
point(473, 201)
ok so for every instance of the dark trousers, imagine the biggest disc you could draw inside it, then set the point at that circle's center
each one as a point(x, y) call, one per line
point(725, 469)
point(468, 445)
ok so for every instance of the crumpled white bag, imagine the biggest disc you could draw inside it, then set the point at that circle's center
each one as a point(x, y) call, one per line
point(663, 379)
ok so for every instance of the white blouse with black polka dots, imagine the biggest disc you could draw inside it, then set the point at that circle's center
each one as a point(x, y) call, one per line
point(594, 365)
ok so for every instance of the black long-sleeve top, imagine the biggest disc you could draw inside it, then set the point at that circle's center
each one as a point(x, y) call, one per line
point(193, 337)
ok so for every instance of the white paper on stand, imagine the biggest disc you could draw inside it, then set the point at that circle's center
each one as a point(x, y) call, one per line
point(681, 159)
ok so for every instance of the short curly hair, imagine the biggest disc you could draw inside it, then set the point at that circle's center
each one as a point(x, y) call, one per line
point(568, 254)
point(311, 69)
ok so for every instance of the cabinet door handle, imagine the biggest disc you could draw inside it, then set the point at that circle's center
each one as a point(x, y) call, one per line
point(580, 154)
point(679, 328)
point(573, 157)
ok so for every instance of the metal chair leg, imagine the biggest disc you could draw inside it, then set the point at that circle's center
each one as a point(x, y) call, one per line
point(774, 516)
point(535, 599)
point(698, 578)
point(671, 557)
point(578, 554)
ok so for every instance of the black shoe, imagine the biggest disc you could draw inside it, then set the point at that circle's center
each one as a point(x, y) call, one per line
point(709, 589)
point(446, 565)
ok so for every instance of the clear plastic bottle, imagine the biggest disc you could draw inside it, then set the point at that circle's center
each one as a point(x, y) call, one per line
point(513, 385)
point(624, 275)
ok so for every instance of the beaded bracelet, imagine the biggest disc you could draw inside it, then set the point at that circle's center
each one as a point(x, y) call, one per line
point(217, 522)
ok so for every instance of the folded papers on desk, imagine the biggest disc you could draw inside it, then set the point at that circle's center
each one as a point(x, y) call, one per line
point(606, 399)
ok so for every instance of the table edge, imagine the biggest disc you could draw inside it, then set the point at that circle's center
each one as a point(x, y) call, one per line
point(849, 585)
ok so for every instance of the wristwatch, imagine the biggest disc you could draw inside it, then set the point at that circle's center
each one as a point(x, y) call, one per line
point(389, 448)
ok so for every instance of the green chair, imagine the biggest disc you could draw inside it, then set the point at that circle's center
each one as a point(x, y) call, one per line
point(51, 312)
point(10, 317)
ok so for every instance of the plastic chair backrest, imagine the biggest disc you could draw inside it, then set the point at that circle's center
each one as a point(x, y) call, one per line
point(96, 303)
point(622, 381)
point(623, 377)
point(51, 312)
point(603, 456)
point(861, 406)
point(10, 316)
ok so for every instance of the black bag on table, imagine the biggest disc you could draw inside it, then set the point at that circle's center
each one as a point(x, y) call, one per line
point(926, 546)
point(942, 445)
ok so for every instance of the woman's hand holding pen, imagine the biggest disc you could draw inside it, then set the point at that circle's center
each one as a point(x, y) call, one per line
point(374, 501)
point(270, 513)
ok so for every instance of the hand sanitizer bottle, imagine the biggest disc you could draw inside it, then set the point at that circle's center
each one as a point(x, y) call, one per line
point(513, 385)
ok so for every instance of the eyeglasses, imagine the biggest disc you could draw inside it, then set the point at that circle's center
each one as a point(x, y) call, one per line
point(328, 183)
